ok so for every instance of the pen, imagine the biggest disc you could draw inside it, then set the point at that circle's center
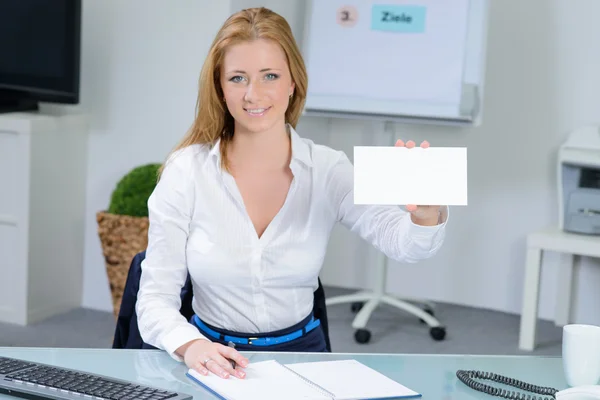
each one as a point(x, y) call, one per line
point(232, 345)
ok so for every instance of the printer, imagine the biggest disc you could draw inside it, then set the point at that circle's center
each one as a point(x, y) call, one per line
point(579, 182)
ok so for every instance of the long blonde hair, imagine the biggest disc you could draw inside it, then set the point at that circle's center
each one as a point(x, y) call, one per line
point(213, 119)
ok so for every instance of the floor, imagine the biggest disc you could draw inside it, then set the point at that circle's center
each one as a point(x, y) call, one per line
point(469, 331)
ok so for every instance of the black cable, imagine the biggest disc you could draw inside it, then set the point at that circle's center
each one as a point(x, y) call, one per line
point(468, 378)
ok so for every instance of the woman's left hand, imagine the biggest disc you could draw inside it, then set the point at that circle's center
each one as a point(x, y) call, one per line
point(421, 214)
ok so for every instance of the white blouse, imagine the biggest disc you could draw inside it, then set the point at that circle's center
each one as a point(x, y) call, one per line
point(241, 282)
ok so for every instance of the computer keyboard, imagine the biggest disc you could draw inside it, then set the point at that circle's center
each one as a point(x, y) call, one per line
point(32, 380)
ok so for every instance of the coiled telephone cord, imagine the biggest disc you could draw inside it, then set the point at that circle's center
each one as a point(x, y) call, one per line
point(468, 378)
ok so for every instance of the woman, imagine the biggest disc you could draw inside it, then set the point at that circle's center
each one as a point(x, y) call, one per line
point(247, 206)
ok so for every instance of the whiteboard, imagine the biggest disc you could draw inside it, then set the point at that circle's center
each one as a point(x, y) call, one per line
point(419, 60)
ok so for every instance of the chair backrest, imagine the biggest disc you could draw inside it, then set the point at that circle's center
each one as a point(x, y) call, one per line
point(127, 334)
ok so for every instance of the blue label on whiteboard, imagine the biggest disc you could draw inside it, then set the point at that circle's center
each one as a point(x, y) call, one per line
point(398, 18)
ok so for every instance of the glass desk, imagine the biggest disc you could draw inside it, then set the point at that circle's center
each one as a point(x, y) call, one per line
point(432, 375)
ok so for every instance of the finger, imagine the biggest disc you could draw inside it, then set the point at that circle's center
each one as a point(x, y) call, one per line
point(215, 367)
point(235, 355)
point(239, 373)
point(399, 143)
point(425, 144)
point(200, 368)
point(410, 144)
point(225, 363)
point(229, 356)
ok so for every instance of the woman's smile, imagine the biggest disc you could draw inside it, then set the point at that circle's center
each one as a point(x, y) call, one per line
point(256, 112)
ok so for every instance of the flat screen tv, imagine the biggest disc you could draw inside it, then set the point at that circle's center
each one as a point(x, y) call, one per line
point(39, 53)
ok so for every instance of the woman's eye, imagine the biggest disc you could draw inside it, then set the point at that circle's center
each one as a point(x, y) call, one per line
point(236, 78)
point(270, 77)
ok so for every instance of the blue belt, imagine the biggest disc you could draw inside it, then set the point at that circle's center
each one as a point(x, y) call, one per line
point(256, 341)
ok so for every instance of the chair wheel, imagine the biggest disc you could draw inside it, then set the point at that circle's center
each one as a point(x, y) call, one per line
point(356, 307)
point(362, 335)
point(428, 311)
point(438, 333)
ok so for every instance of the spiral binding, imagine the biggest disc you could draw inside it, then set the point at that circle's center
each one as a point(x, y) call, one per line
point(311, 383)
point(468, 378)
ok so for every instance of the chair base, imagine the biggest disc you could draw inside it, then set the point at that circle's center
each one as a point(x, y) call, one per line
point(366, 301)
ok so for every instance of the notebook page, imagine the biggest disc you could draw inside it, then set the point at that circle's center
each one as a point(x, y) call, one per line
point(265, 380)
point(349, 379)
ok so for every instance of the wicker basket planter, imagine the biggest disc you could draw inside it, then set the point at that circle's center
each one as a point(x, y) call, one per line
point(123, 227)
point(122, 237)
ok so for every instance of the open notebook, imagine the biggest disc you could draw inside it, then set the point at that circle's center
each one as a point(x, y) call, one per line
point(322, 380)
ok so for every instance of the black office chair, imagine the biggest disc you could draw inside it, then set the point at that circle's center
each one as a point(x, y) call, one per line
point(127, 334)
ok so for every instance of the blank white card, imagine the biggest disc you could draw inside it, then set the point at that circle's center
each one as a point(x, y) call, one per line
point(401, 176)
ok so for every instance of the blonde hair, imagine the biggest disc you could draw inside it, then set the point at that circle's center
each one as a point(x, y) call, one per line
point(213, 119)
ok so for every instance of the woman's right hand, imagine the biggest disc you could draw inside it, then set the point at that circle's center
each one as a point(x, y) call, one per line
point(203, 356)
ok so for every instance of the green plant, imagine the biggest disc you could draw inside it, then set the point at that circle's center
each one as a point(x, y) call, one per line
point(131, 194)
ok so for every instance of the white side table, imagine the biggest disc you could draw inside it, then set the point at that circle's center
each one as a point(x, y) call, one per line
point(572, 246)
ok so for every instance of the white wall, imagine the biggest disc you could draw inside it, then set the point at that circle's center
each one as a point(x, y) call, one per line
point(542, 81)
point(140, 65)
point(543, 60)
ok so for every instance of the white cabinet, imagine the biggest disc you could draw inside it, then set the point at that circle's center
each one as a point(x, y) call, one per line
point(43, 166)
